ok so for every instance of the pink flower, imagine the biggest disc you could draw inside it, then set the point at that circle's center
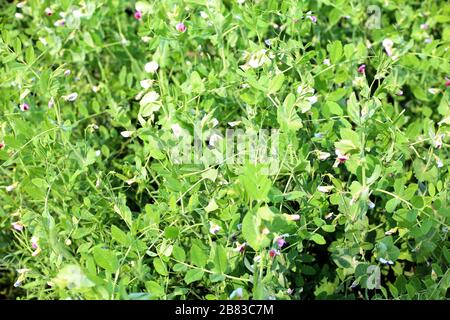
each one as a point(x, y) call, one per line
point(281, 242)
point(447, 83)
point(48, 11)
point(24, 107)
point(340, 158)
point(273, 253)
point(36, 252)
point(34, 242)
point(17, 226)
point(438, 141)
point(181, 27)
point(388, 45)
point(138, 15)
point(214, 229)
point(362, 69)
point(2, 145)
point(240, 247)
point(313, 19)
point(294, 217)
point(310, 16)
point(60, 23)
point(424, 26)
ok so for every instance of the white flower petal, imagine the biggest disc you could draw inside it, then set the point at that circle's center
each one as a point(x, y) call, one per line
point(177, 130)
point(126, 134)
point(147, 83)
point(151, 67)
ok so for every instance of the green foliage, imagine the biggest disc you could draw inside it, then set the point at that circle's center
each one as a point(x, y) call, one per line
point(95, 205)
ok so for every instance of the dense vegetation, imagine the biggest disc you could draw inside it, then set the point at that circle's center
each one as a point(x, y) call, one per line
point(96, 95)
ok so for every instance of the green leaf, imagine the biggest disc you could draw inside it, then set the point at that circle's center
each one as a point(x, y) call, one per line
point(220, 259)
point(328, 228)
point(198, 256)
point(335, 50)
point(334, 108)
point(149, 104)
point(353, 109)
point(373, 281)
point(88, 39)
point(154, 288)
point(119, 235)
point(252, 231)
point(256, 184)
point(29, 55)
point(106, 259)
point(276, 83)
point(375, 175)
point(317, 238)
point(179, 253)
point(40, 183)
point(193, 275)
point(160, 267)
point(212, 206)
point(287, 116)
point(197, 83)
point(349, 50)
point(392, 204)
point(210, 174)
point(171, 232)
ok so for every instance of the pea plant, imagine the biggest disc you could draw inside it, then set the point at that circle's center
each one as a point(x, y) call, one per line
point(235, 149)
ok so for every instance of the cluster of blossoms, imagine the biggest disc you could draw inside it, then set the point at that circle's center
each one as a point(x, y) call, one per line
point(279, 242)
point(340, 157)
point(20, 5)
point(180, 27)
point(18, 226)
